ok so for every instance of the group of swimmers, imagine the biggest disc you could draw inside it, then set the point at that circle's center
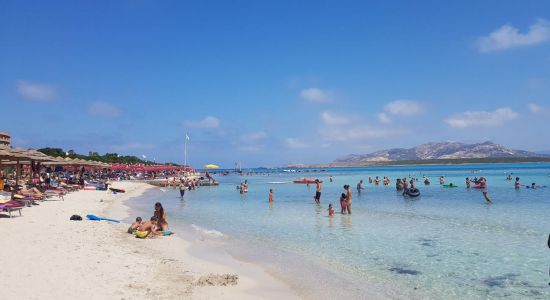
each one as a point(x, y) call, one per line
point(157, 224)
point(243, 187)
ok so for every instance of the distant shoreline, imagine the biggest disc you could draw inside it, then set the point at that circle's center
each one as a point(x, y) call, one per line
point(426, 162)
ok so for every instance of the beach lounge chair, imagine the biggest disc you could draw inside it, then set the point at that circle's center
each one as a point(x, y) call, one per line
point(11, 206)
point(55, 193)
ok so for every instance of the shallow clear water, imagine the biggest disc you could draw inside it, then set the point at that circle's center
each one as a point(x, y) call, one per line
point(446, 244)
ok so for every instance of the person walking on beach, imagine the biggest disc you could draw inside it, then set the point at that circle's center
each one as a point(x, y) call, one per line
point(270, 195)
point(348, 198)
point(317, 191)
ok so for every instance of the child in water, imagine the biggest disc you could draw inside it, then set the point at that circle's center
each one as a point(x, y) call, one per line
point(343, 203)
point(330, 210)
point(270, 195)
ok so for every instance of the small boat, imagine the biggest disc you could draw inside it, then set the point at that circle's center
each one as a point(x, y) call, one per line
point(306, 181)
point(412, 192)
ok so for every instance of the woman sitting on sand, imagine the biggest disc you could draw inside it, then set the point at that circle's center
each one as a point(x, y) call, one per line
point(160, 215)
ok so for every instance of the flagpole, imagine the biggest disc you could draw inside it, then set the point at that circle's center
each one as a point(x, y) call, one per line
point(185, 150)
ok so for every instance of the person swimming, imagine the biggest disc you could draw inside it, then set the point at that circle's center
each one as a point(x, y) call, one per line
point(399, 184)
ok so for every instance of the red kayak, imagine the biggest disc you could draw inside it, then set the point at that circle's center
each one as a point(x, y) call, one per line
point(306, 181)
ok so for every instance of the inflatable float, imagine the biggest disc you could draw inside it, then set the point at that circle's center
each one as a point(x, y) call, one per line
point(306, 181)
point(117, 190)
point(412, 192)
point(450, 185)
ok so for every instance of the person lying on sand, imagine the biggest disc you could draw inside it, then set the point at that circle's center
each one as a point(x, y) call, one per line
point(135, 225)
point(32, 191)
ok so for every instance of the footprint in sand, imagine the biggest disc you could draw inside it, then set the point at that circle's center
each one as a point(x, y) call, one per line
point(218, 280)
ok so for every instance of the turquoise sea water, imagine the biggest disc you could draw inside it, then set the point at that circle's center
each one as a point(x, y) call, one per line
point(446, 244)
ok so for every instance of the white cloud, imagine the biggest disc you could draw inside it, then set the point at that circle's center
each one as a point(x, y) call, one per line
point(316, 95)
point(104, 110)
point(358, 133)
point(384, 118)
point(482, 118)
point(294, 143)
point(207, 122)
point(36, 91)
point(507, 37)
point(254, 141)
point(404, 108)
point(332, 119)
point(535, 108)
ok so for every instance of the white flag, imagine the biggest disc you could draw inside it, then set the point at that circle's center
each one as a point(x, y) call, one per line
point(186, 137)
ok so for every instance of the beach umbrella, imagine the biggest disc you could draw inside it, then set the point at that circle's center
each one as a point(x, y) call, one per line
point(211, 166)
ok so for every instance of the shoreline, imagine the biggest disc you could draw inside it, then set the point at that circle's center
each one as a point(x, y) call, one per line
point(305, 276)
point(66, 259)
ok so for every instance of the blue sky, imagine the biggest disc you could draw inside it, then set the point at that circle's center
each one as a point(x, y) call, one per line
point(269, 83)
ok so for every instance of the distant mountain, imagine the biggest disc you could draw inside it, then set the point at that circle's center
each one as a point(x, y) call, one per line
point(443, 150)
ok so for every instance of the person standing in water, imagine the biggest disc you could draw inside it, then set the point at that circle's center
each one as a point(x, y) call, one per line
point(483, 186)
point(343, 204)
point(317, 191)
point(330, 211)
point(467, 182)
point(270, 195)
point(348, 198)
point(360, 186)
point(182, 189)
point(517, 184)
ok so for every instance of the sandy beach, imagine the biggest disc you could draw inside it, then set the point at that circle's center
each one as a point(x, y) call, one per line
point(47, 256)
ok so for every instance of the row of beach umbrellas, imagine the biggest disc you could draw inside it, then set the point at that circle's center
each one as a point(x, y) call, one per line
point(20, 156)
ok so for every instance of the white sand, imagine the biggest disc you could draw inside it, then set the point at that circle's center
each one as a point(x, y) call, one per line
point(47, 256)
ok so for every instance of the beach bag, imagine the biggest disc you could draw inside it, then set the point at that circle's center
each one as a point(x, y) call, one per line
point(76, 218)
